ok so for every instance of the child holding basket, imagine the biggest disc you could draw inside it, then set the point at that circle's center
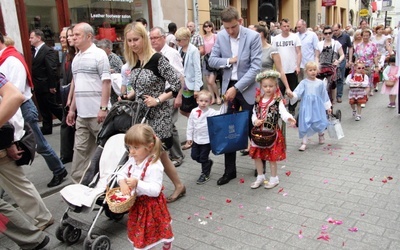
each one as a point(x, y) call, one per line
point(269, 107)
point(149, 221)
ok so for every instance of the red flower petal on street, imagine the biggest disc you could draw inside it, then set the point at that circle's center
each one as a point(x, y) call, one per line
point(362, 214)
point(210, 213)
point(241, 180)
point(228, 200)
point(324, 237)
point(351, 153)
point(189, 217)
point(300, 234)
point(280, 190)
point(288, 173)
point(371, 179)
point(353, 229)
point(384, 180)
point(390, 178)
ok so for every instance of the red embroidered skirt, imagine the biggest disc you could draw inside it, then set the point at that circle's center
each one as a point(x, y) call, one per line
point(149, 222)
point(275, 153)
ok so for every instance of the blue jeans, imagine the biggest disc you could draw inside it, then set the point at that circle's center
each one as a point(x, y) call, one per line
point(340, 80)
point(31, 116)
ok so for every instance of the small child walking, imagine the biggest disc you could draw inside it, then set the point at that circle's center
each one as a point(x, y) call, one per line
point(268, 108)
point(358, 81)
point(149, 221)
point(391, 73)
point(314, 104)
point(197, 134)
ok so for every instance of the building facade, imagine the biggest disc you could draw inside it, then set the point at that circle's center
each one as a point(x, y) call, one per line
point(108, 17)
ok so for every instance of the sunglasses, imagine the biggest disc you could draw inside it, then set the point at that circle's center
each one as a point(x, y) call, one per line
point(360, 68)
point(207, 26)
point(328, 33)
point(178, 40)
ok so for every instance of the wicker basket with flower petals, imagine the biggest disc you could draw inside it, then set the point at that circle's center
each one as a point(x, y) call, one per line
point(117, 202)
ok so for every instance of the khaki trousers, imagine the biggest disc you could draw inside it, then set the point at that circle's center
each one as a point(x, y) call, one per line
point(23, 192)
point(85, 145)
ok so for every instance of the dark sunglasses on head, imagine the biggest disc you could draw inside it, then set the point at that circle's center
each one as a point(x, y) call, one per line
point(327, 33)
point(360, 68)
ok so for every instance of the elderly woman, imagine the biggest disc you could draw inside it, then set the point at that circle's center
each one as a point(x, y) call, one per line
point(148, 76)
point(367, 52)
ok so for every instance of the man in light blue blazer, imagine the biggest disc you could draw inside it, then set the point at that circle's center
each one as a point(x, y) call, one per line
point(238, 51)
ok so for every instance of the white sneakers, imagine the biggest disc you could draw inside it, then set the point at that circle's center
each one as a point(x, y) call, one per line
point(273, 182)
point(258, 182)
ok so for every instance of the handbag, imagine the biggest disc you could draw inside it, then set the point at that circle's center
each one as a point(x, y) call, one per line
point(335, 130)
point(208, 67)
point(228, 132)
point(264, 136)
point(326, 69)
point(106, 32)
point(28, 145)
point(392, 75)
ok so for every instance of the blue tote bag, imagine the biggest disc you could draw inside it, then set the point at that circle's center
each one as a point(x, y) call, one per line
point(228, 132)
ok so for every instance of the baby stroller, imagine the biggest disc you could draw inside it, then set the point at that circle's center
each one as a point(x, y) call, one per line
point(107, 160)
point(327, 74)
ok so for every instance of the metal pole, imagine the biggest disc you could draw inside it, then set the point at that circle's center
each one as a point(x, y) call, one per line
point(196, 15)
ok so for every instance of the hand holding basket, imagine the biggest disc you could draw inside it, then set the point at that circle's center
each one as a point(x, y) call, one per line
point(117, 202)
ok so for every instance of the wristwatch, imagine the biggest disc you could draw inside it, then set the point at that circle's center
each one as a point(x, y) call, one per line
point(158, 101)
point(103, 108)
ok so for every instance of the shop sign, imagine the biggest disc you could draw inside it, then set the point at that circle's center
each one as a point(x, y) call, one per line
point(364, 12)
point(124, 1)
point(327, 3)
point(110, 16)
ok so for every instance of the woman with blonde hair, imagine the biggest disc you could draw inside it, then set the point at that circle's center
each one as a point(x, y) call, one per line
point(148, 74)
point(192, 71)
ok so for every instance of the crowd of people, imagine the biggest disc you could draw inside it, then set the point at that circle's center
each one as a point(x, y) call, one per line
point(258, 69)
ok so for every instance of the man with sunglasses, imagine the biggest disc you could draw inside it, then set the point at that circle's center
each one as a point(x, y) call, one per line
point(347, 46)
point(289, 47)
point(238, 51)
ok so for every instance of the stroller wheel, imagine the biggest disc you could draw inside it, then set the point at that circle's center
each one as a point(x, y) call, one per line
point(338, 115)
point(87, 243)
point(71, 234)
point(59, 233)
point(101, 243)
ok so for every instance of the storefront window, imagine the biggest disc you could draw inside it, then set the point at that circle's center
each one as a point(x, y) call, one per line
point(107, 14)
point(42, 14)
point(108, 17)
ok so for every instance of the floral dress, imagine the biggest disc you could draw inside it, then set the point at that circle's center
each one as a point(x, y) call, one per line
point(149, 221)
point(150, 80)
point(367, 53)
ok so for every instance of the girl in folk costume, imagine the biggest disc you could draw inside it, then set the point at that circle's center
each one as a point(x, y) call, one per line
point(269, 107)
point(391, 73)
point(149, 221)
point(357, 82)
point(314, 104)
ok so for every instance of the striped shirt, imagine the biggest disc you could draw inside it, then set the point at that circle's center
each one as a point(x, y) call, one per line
point(90, 68)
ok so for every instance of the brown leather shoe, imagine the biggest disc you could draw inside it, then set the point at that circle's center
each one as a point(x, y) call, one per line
point(49, 223)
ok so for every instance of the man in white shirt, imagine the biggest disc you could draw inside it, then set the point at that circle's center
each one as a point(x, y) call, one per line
point(14, 67)
point(91, 97)
point(309, 46)
point(289, 47)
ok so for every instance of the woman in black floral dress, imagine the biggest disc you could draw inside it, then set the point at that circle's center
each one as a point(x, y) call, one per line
point(148, 77)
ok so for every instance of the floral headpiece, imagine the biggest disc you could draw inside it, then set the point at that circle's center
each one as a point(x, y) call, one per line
point(267, 74)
